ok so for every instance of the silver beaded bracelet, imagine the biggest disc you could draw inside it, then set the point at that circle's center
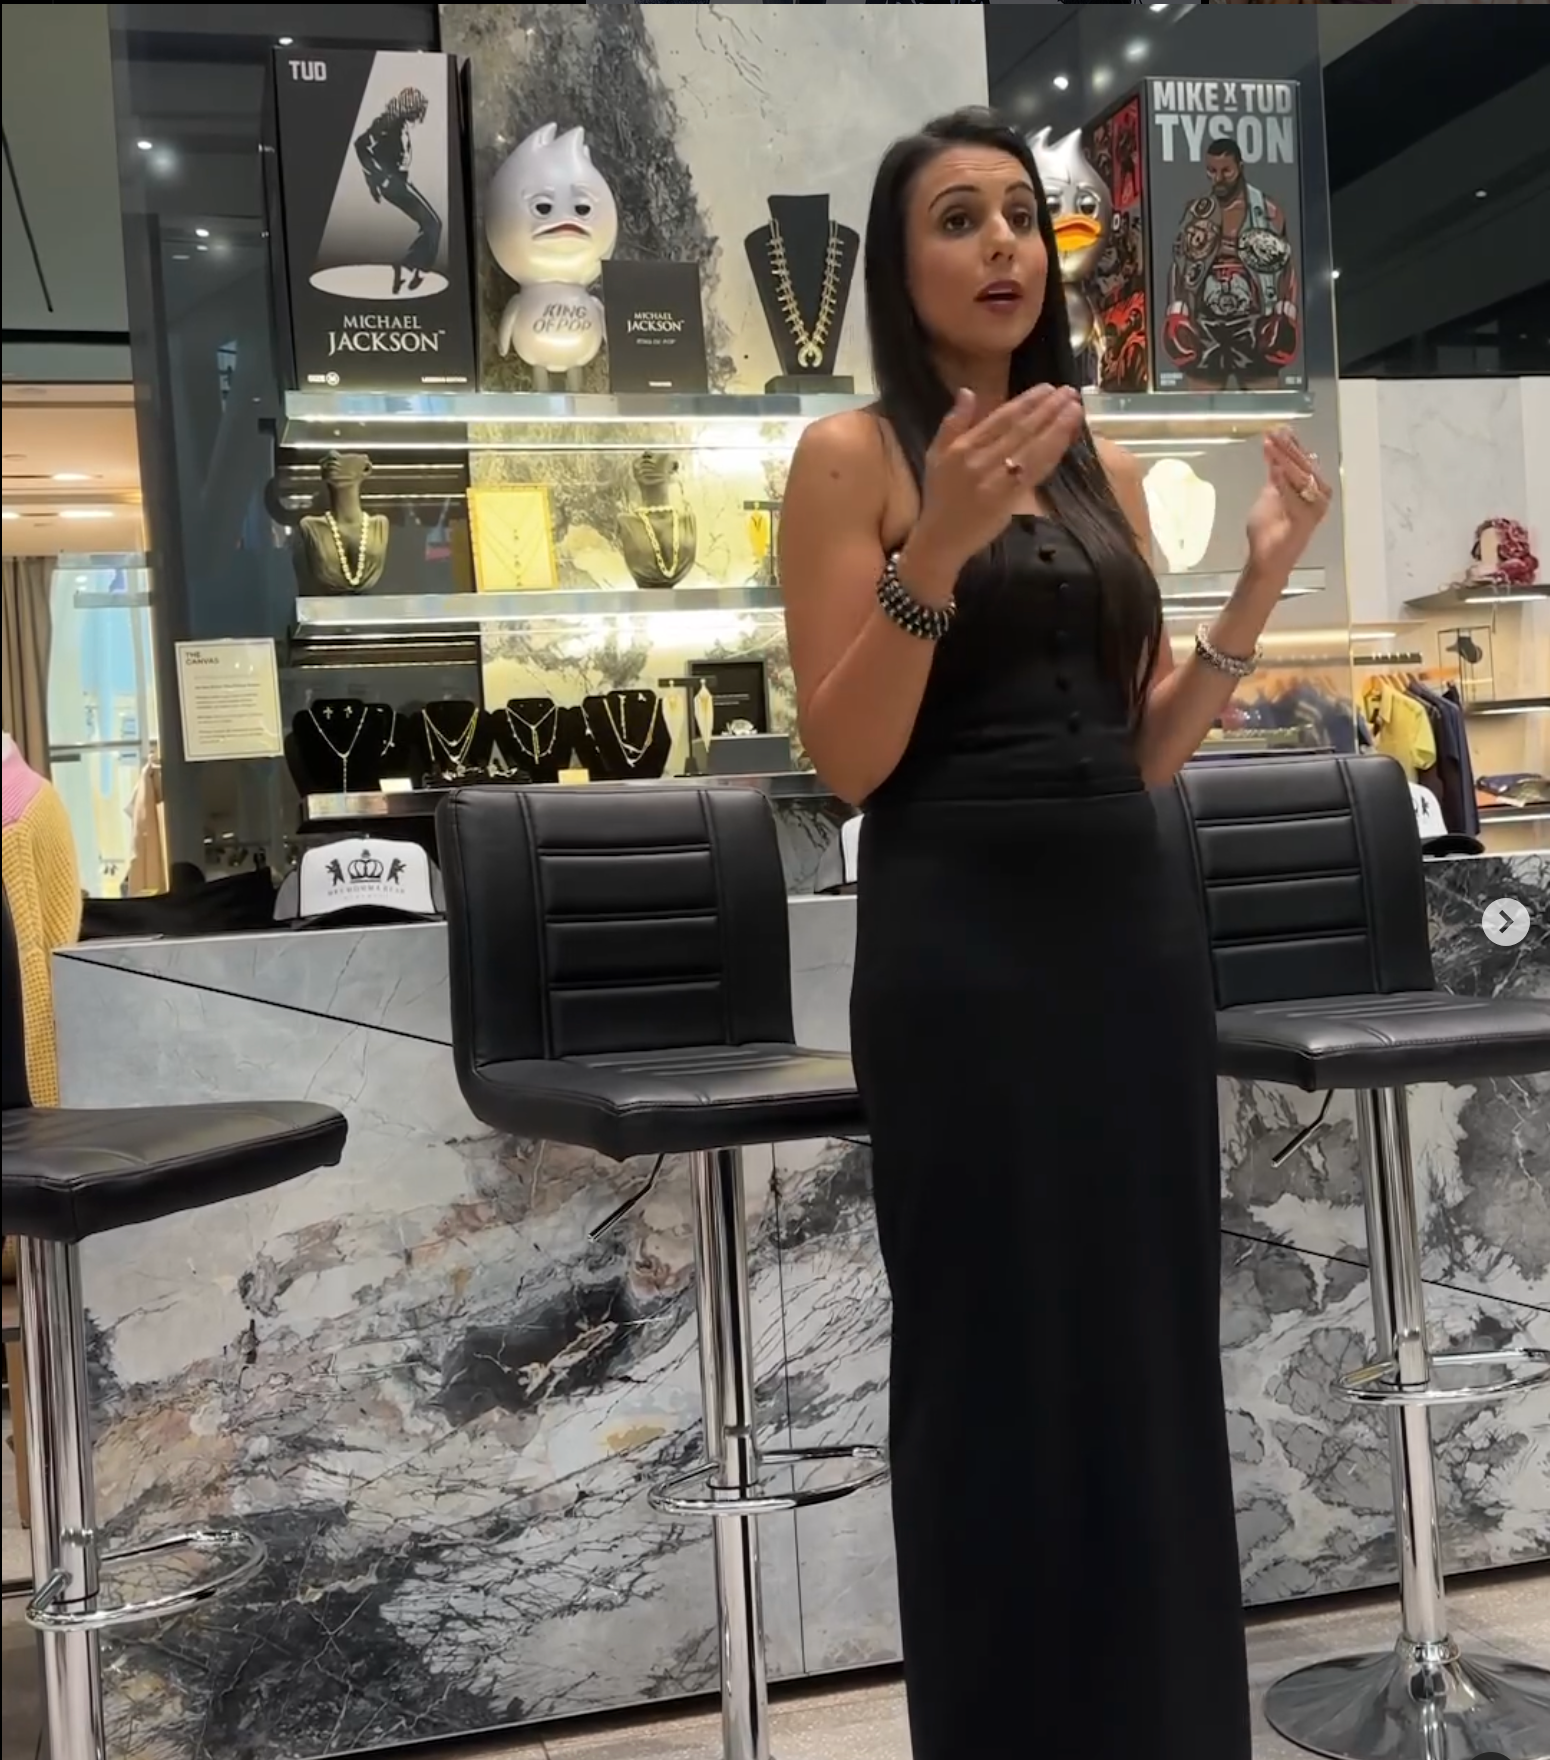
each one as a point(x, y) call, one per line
point(1231, 664)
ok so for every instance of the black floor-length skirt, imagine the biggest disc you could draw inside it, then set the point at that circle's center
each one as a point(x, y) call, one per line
point(1033, 1035)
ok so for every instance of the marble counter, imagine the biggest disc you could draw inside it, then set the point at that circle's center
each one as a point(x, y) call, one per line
point(439, 1400)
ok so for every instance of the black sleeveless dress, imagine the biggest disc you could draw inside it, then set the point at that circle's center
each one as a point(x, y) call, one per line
point(1032, 1030)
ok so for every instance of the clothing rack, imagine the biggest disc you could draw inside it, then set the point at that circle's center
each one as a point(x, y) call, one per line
point(1409, 658)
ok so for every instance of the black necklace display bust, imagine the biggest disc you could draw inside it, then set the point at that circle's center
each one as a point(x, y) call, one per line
point(534, 735)
point(343, 549)
point(624, 735)
point(452, 742)
point(658, 535)
point(342, 745)
point(803, 263)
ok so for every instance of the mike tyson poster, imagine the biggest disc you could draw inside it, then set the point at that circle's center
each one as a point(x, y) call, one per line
point(1223, 165)
point(369, 222)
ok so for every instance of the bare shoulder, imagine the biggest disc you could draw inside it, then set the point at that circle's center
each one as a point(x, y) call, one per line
point(848, 448)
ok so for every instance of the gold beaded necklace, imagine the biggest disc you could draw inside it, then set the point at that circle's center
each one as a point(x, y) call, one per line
point(811, 343)
point(352, 578)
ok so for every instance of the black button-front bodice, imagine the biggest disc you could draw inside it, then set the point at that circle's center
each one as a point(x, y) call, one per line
point(1020, 701)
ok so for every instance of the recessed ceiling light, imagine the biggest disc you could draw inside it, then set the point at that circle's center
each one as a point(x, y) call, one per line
point(201, 232)
point(145, 146)
point(201, 247)
point(180, 256)
point(1479, 195)
point(11, 513)
point(1334, 274)
point(1137, 49)
point(1061, 82)
point(85, 513)
point(71, 477)
point(285, 42)
point(1158, 6)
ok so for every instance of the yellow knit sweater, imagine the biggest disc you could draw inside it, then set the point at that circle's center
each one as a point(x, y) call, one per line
point(43, 887)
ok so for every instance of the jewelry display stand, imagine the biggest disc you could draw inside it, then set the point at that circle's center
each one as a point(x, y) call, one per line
point(803, 264)
point(343, 549)
point(657, 535)
point(341, 745)
point(624, 736)
point(535, 735)
point(452, 742)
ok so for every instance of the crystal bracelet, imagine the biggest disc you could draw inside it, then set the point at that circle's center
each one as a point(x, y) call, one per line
point(1231, 664)
point(900, 606)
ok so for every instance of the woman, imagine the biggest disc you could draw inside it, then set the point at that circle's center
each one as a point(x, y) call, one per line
point(977, 641)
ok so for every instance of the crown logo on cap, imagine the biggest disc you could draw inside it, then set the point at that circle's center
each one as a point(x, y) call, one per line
point(365, 867)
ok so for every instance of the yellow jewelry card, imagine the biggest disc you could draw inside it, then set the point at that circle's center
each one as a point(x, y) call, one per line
point(513, 538)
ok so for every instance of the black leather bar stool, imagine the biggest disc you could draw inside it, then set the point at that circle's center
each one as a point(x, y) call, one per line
point(620, 977)
point(68, 1174)
point(1310, 874)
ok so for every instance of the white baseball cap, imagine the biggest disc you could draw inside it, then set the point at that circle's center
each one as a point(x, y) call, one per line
point(1436, 838)
point(369, 878)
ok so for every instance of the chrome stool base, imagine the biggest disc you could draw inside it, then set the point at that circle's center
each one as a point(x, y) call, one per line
point(1415, 1703)
point(54, 1609)
point(730, 1485)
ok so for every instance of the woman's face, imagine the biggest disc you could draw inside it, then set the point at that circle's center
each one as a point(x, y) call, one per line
point(976, 263)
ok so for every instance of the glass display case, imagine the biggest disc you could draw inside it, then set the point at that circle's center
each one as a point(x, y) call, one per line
point(521, 623)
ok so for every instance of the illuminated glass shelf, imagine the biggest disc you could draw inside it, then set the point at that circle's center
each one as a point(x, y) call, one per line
point(364, 611)
point(420, 803)
point(376, 610)
point(516, 421)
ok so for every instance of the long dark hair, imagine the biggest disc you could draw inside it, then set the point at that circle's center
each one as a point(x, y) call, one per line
point(912, 396)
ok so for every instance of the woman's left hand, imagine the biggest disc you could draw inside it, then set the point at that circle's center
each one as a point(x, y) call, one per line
point(1289, 508)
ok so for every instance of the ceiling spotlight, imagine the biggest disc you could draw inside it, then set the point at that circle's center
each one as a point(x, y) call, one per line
point(201, 232)
point(1334, 274)
point(201, 247)
point(1158, 6)
point(145, 146)
point(1061, 82)
point(11, 513)
point(180, 256)
point(71, 477)
point(1479, 195)
point(85, 513)
point(285, 42)
point(1137, 49)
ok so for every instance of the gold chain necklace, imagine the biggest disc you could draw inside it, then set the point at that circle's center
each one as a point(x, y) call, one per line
point(355, 577)
point(530, 744)
point(342, 756)
point(456, 751)
point(618, 725)
point(666, 569)
point(811, 344)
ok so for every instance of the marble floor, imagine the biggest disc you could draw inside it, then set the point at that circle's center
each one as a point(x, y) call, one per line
point(863, 1718)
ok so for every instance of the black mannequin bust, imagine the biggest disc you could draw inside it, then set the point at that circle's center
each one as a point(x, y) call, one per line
point(804, 306)
point(533, 736)
point(343, 549)
point(657, 535)
point(452, 742)
point(623, 736)
point(342, 745)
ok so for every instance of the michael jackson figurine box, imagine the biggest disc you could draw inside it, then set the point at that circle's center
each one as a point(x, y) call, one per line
point(368, 221)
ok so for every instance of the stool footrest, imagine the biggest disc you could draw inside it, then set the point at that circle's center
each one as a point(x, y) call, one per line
point(51, 1610)
point(1377, 1384)
point(672, 1496)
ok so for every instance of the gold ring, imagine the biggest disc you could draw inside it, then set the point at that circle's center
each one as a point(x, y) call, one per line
point(1309, 492)
point(1013, 468)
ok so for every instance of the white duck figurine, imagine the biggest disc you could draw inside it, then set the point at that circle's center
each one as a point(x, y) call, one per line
point(551, 220)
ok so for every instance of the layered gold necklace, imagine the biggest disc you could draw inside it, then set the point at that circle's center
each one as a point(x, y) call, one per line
point(811, 343)
point(454, 750)
point(617, 716)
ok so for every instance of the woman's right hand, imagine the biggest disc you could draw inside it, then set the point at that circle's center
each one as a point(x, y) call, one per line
point(978, 470)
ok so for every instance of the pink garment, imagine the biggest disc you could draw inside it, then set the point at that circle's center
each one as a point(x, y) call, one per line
point(21, 783)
